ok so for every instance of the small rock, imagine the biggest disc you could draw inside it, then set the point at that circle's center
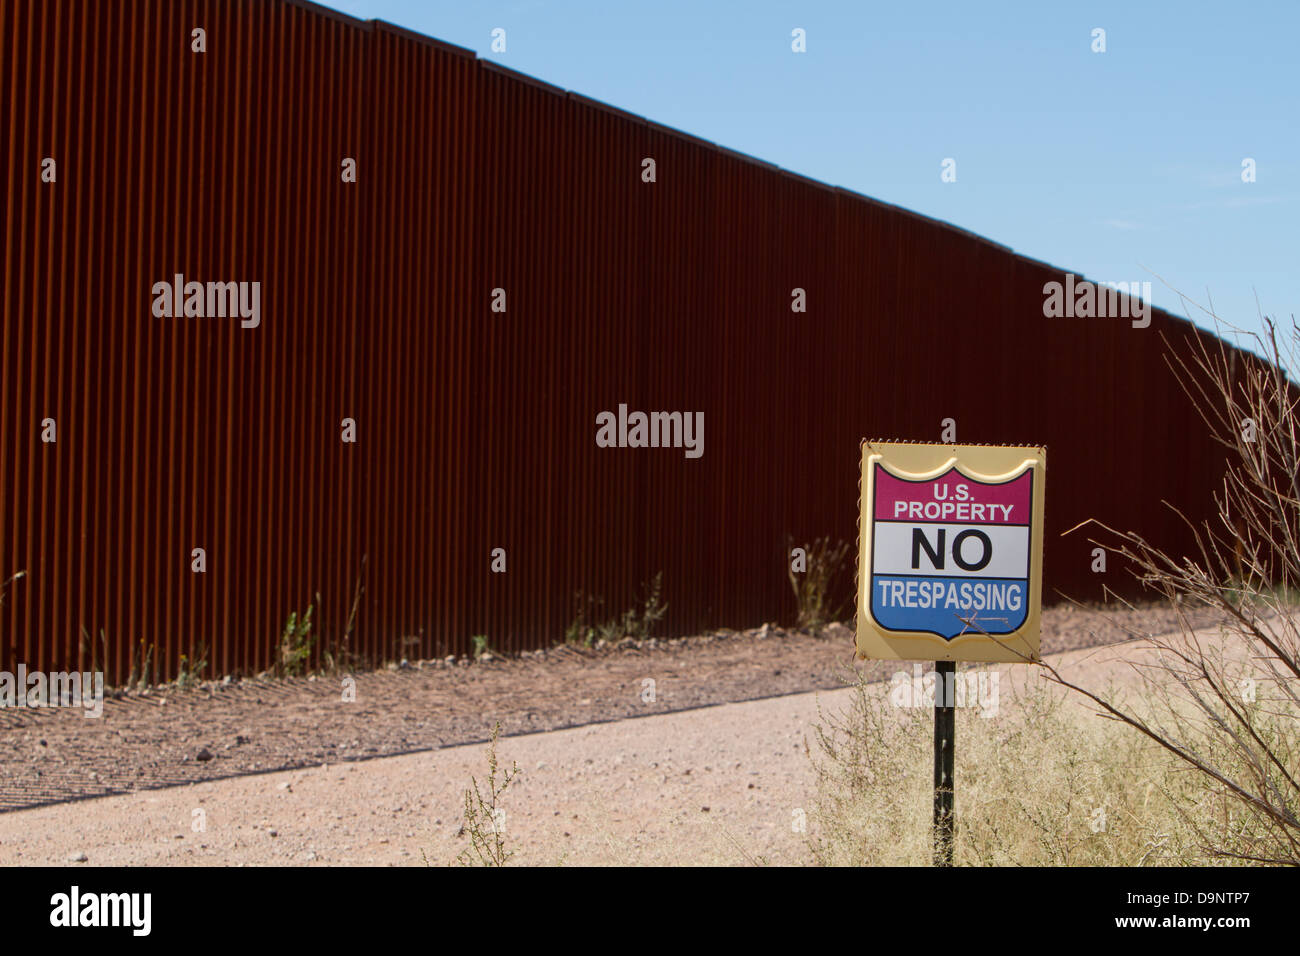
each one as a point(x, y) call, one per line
point(203, 756)
point(837, 632)
point(77, 858)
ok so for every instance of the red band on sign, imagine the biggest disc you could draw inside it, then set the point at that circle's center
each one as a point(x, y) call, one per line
point(952, 497)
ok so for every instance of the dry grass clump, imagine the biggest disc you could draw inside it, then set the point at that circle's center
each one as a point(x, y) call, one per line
point(823, 590)
point(1042, 782)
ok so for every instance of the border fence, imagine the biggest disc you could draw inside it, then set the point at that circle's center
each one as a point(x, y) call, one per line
point(475, 429)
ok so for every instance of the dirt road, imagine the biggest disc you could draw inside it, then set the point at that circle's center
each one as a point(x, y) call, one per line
point(720, 784)
point(168, 737)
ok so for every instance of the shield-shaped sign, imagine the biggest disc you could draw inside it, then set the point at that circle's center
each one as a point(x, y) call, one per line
point(951, 552)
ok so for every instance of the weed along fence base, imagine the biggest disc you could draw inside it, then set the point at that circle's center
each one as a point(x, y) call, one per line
point(329, 316)
point(950, 568)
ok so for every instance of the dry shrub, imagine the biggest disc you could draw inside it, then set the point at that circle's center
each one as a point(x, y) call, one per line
point(1043, 782)
point(822, 592)
point(1227, 706)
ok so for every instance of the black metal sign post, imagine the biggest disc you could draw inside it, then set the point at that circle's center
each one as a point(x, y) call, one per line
point(945, 724)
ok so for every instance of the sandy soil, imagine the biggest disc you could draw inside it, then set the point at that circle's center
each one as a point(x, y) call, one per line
point(674, 788)
point(719, 784)
point(167, 737)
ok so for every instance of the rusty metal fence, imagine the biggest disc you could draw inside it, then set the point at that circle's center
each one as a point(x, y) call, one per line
point(130, 158)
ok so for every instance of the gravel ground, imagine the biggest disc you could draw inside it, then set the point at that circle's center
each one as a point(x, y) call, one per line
point(713, 785)
point(166, 737)
point(674, 788)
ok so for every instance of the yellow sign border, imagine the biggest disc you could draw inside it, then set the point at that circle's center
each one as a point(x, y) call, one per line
point(919, 461)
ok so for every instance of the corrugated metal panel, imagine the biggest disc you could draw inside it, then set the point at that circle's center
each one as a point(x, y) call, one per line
point(475, 429)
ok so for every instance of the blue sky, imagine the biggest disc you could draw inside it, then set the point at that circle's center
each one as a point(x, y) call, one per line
point(1122, 166)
